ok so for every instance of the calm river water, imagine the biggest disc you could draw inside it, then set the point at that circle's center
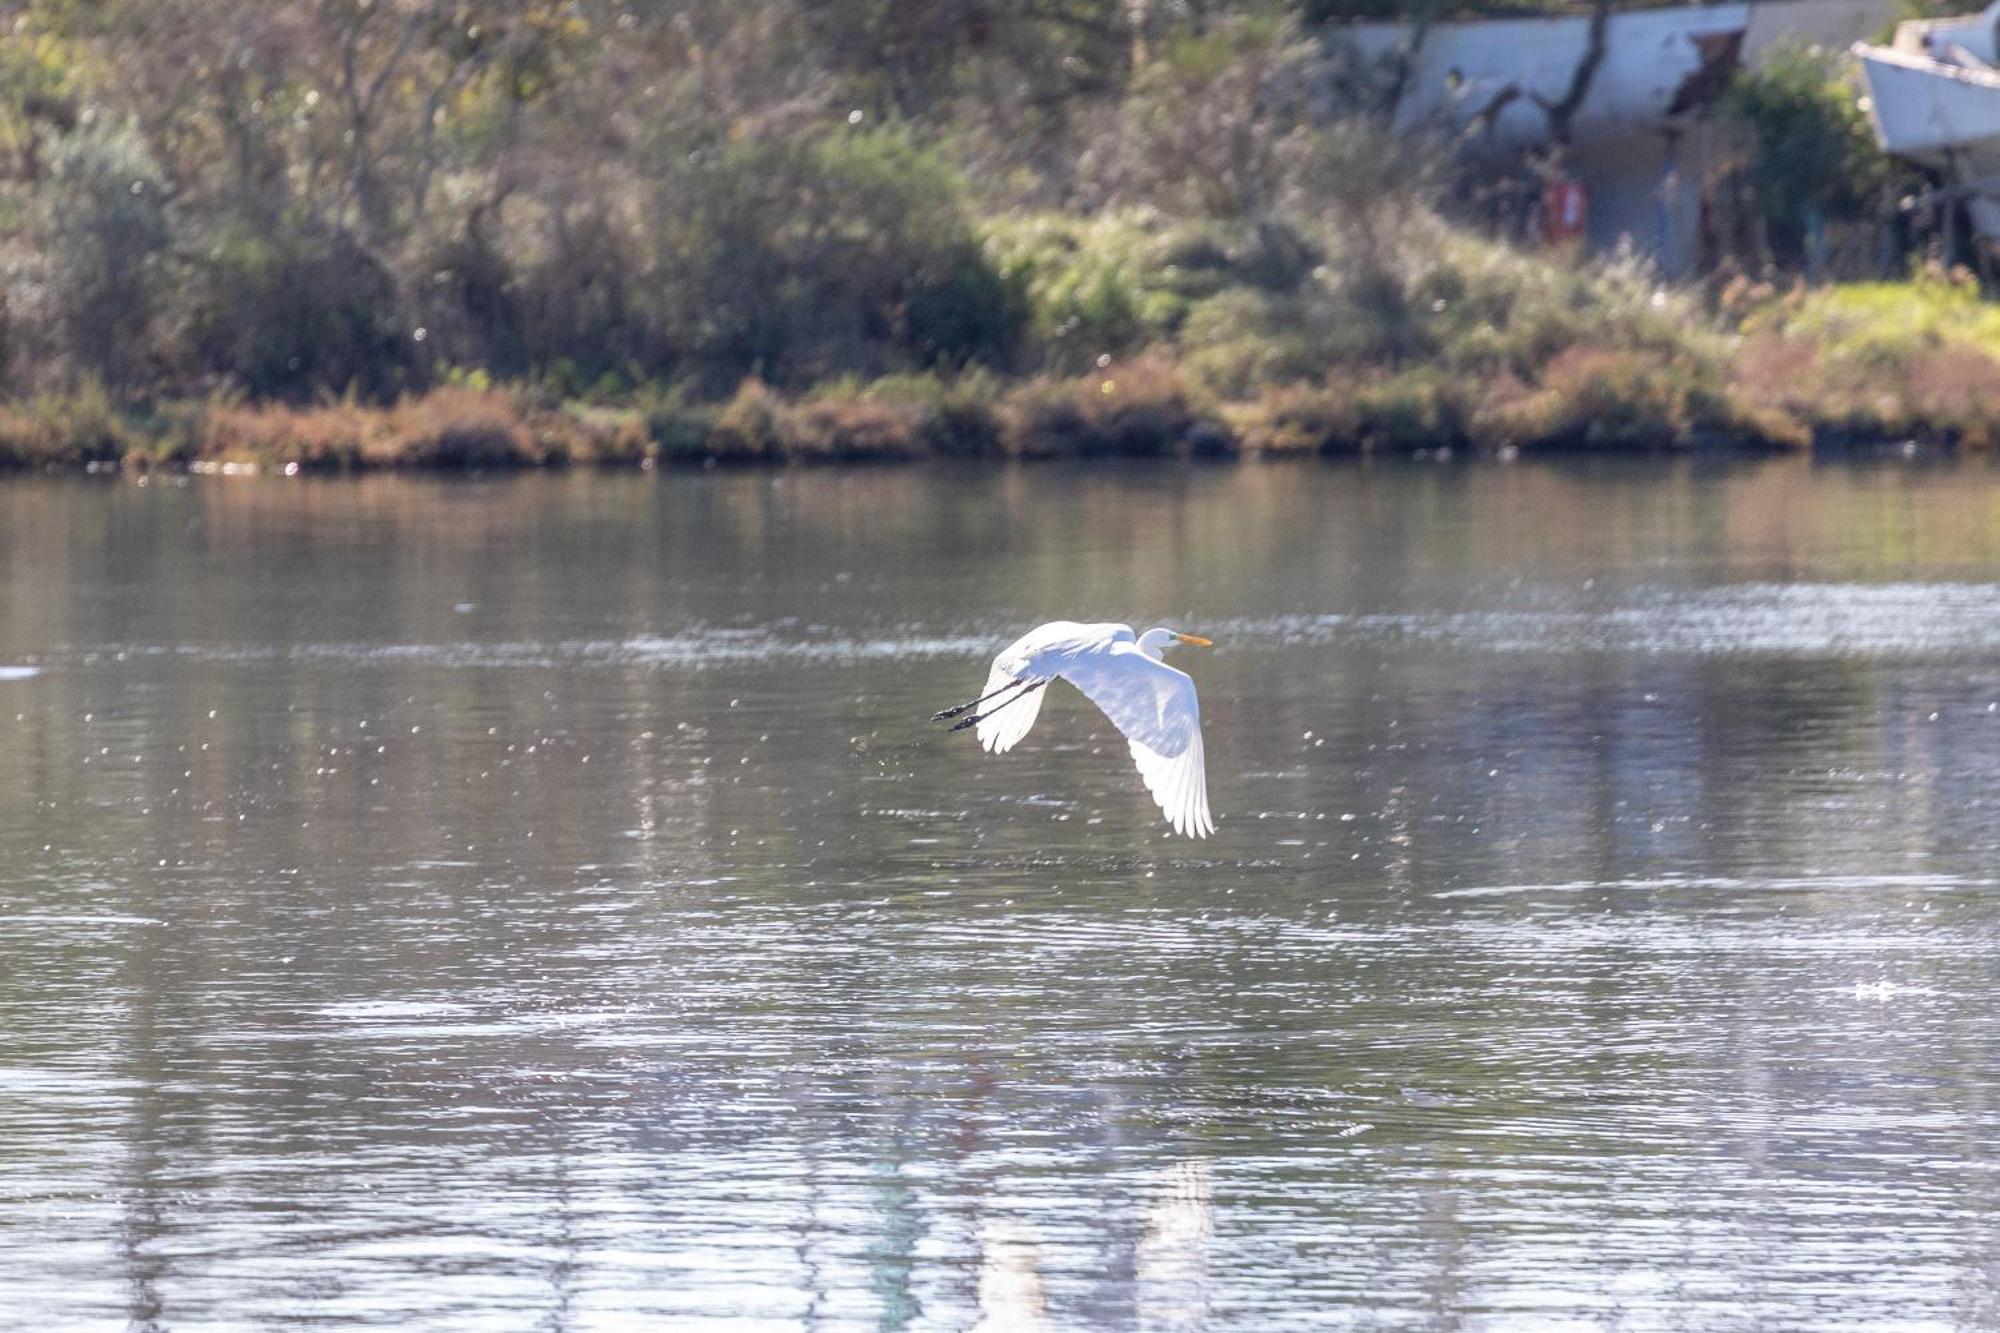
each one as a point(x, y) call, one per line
point(541, 903)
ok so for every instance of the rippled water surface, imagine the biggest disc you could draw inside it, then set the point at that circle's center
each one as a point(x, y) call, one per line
point(542, 903)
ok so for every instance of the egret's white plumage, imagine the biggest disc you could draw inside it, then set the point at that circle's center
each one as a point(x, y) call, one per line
point(1121, 672)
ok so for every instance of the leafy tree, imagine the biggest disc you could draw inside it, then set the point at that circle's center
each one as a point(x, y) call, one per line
point(850, 251)
point(1807, 149)
point(104, 232)
point(905, 57)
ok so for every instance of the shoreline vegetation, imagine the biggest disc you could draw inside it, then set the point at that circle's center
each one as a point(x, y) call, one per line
point(411, 235)
point(1836, 366)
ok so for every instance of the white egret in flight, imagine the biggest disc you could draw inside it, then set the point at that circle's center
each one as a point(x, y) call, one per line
point(1121, 672)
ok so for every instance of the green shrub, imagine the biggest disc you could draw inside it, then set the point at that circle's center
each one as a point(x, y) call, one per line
point(1242, 341)
point(1881, 328)
point(678, 428)
point(1809, 148)
point(1604, 398)
point(104, 235)
point(1093, 287)
point(476, 305)
point(591, 309)
point(965, 420)
point(849, 252)
point(1111, 284)
point(1418, 409)
point(1483, 306)
point(295, 311)
point(954, 416)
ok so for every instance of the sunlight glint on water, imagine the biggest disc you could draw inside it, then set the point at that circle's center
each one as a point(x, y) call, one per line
point(541, 902)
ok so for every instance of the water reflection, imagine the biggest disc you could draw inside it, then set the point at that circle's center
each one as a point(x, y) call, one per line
point(537, 903)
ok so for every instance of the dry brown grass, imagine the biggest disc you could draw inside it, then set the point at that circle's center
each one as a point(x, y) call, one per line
point(1143, 407)
point(748, 428)
point(452, 428)
point(1294, 420)
point(1420, 409)
point(854, 428)
point(1600, 399)
point(1779, 390)
point(70, 429)
point(1946, 394)
point(315, 438)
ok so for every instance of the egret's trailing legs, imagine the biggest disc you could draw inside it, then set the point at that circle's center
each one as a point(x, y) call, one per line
point(977, 718)
point(961, 708)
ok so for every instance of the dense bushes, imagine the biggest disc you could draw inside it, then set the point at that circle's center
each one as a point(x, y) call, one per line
point(96, 270)
point(1143, 407)
point(351, 200)
point(496, 234)
point(847, 252)
point(1809, 156)
point(450, 427)
point(1128, 409)
point(80, 428)
point(288, 312)
point(1874, 361)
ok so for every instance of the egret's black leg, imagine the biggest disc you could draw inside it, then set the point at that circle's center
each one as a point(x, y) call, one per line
point(954, 712)
point(981, 717)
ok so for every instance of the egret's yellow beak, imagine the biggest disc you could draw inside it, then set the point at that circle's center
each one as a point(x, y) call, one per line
point(1196, 640)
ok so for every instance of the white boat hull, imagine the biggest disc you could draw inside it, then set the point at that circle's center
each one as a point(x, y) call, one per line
point(1928, 110)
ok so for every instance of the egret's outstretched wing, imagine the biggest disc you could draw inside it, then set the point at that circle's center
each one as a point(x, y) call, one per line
point(1039, 654)
point(1155, 706)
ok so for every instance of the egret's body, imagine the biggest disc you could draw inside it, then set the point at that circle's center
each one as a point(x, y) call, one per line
point(1122, 673)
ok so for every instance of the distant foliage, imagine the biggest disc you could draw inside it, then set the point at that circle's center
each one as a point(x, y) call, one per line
point(851, 251)
point(1105, 285)
point(1217, 123)
point(909, 57)
point(646, 207)
point(103, 235)
point(288, 312)
point(1808, 151)
point(1883, 329)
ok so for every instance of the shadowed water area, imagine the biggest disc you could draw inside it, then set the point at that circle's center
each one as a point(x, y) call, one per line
point(541, 903)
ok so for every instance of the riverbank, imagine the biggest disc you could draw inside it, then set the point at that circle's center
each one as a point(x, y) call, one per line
point(1148, 337)
point(1138, 408)
point(1192, 235)
point(1837, 366)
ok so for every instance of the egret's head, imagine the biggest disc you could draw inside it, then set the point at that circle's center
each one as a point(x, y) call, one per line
point(1157, 640)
